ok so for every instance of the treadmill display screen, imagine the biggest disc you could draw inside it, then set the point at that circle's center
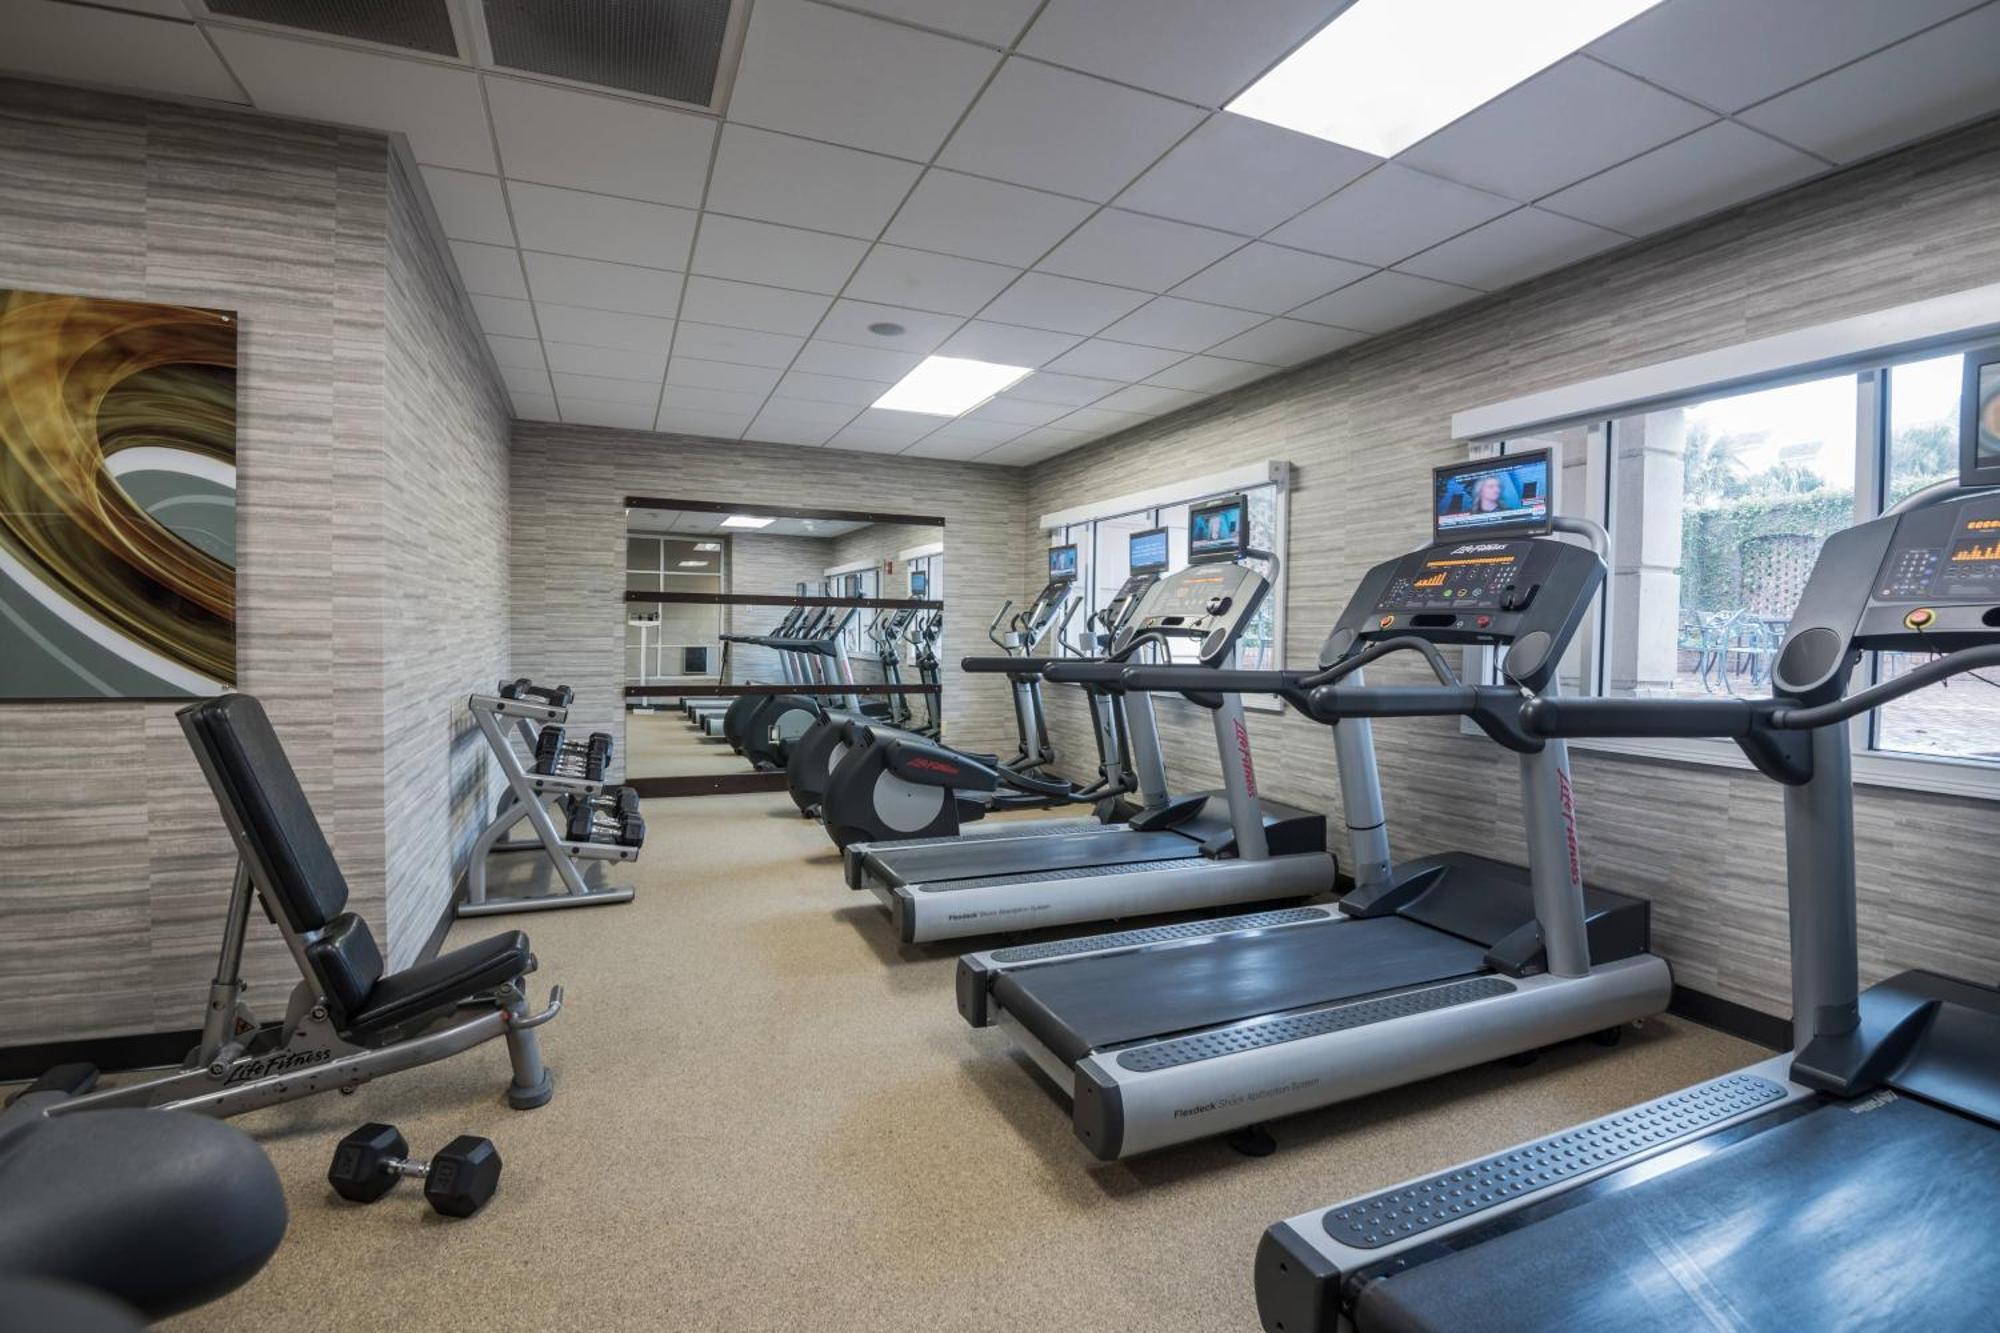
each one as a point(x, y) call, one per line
point(1218, 530)
point(1062, 564)
point(1492, 497)
point(1980, 452)
point(1147, 551)
point(1472, 576)
point(920, 583)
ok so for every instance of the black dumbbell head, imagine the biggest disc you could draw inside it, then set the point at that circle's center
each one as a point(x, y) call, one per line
point(463, 1176)
point(361, 1170)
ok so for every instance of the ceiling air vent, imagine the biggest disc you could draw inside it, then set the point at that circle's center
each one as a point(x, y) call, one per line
point(415, 25)
point(663, 48)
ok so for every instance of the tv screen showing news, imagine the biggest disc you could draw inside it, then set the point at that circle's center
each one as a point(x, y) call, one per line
point(1508, 495)
point(920, 583)
point(1062, 563)
point(1217, 530)
point(1146, 552)
point(1981, 461)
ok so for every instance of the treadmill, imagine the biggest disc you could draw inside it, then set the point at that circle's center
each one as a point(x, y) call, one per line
point(1853, 1182)
point(1201, 1028)
point(1208, 850)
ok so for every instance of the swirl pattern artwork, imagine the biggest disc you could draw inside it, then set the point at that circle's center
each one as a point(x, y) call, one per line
point(117, 498)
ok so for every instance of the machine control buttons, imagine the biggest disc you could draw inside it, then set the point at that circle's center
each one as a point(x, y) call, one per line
point(1483, 621)
point(1921, 618)
point(1387, 622)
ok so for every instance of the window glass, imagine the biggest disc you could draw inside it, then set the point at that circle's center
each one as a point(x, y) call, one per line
point(1719, 511)
point(1576, 497)
point(1923, 425)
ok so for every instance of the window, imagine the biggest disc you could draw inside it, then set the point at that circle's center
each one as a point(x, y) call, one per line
point(1716, 510)
point(1103, 551)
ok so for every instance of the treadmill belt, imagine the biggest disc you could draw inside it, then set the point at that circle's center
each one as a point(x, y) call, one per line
point(1090, 1003)
point(1878, 1215)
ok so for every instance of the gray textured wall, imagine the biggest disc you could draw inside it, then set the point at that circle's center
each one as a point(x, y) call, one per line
point(569, 532)
point(1365, 427)
point(114, 866)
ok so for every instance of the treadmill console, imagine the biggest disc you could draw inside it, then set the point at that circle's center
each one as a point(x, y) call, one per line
point(1530, 593)
point(1212, 603)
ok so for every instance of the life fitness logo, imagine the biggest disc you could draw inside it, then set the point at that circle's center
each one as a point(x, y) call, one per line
point(1250, 771)
point(1479, 548)
point(1568, 798)
point(935, 766)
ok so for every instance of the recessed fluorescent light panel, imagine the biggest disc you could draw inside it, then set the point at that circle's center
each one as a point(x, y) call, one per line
point(746, 521)
point(708, 546)
point(1387, 73)
point(694, 564)
point(949, 386)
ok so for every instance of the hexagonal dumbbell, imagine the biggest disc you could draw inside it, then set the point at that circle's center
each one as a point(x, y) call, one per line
point(458, 1181)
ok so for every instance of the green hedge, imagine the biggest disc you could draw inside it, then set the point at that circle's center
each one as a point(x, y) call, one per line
point(1712, 539)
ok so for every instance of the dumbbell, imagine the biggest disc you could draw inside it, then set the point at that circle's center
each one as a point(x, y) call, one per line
point(374, 1159)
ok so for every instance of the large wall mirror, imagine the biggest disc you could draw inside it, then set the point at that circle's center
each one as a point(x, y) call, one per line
point(742, 622)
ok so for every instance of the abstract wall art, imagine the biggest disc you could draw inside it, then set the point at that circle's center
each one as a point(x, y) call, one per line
point(117, 498)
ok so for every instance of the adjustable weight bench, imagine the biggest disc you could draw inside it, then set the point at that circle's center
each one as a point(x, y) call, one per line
point(349, 1020)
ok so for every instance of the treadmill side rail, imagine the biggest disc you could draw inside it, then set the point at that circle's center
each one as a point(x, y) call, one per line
point(1302, 1270)
point(1236, 1087)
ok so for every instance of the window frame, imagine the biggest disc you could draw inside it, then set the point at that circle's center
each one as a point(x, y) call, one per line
point(1874, 766)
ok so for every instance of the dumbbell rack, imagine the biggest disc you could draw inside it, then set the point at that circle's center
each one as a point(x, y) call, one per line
point(574, 814)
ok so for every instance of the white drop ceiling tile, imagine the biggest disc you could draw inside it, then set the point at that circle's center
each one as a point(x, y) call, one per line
point(1149, 399)
point(801, 387)
point(1384, 301)
point(953, 448)
point(596, 412)
point(1133, 250)
point(763, 252)
point(1196, 49)
point(605, 390)
point(1708, 170)
point(1511, 249)
point(1727, 54)
point(1286, 342)
point(1007, 344)
point(598, 285)
point(1101, 358)
point(519, 353)
point(689, 421)
point(1062, 305)
point(596, 226)
point(1043, 443)
point(983, 429)
point(510, 319)
point(821, 357)
point(925, 281)
point(621, 363)
point(692, 373)
point(1098, 421)
point(489, 270)
point(1572, 120)
point(603, 328)
point(563, 136)
point(1929, 83)
point(470, 207)
point(712, 400)
point(850, 79)
point(777, 430)
point(1209, 374)
point(712, 342)
point(910, 426)
point(520, 379)
point(1054, 130)
point(861, 441)
point(779, 178)
point(535, 406)
point(1187, 326)
point(995, 22)
point(1068, 390)
point(1243, 176)
point(853, 322)
point(981, 219)
point(438, 106)
point(1017, 411)
point(170, 9)
point(1270, 278)
point(747, 305)
point(813, 412)
point(1389, 214)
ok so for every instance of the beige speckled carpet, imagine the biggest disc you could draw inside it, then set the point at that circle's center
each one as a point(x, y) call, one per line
point(768, 1115)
